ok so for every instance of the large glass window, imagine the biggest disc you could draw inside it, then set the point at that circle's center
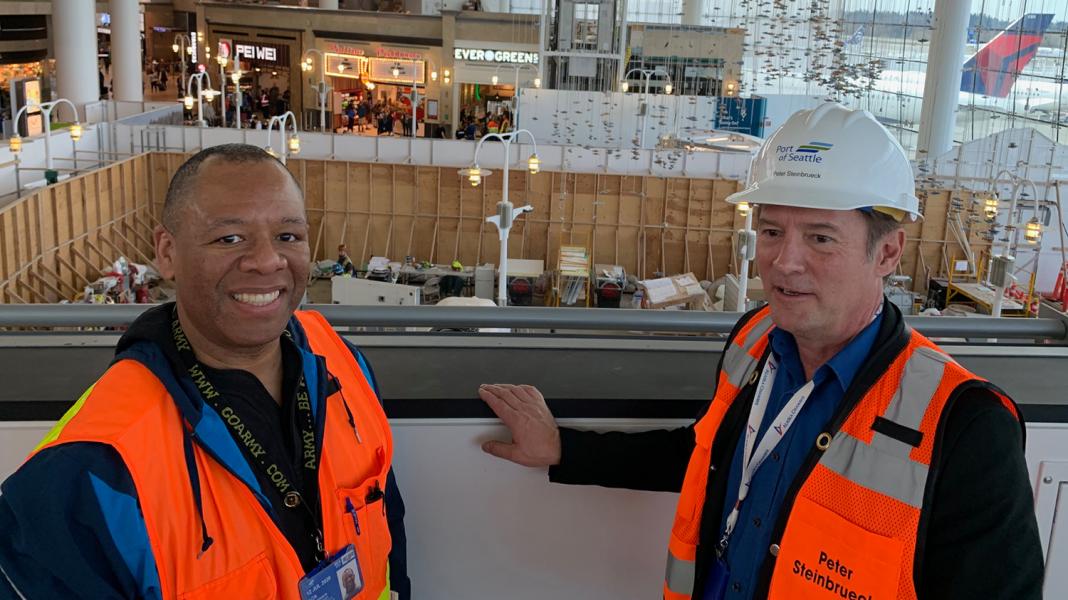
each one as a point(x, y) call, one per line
point(874, 56)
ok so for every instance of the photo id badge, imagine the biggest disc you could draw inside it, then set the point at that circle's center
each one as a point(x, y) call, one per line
point(336, 578)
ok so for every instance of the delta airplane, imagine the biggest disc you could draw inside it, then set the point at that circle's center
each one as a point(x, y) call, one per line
point(990, 75)
point(989, 82)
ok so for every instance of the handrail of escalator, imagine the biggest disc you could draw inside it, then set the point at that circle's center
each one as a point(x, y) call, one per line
point(564, 319)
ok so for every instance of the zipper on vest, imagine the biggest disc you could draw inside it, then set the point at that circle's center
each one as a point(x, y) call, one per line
point(194, 484)
point(348, 413)
point(885, 356)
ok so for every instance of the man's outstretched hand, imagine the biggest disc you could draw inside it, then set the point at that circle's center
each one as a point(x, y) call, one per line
point(535, 437)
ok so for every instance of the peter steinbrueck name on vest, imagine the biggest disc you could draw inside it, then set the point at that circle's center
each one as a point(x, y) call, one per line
point(826, 581)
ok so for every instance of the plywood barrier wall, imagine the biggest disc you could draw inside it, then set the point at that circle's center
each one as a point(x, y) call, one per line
point(55, 241)
point(58, 239)
point(430, 213)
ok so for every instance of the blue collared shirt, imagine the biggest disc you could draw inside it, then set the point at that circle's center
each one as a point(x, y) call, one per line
point(758, 514)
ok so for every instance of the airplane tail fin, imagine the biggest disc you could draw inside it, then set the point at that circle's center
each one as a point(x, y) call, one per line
point(993, 70)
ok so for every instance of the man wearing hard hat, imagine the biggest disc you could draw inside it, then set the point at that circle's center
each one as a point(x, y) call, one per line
point(843, 455)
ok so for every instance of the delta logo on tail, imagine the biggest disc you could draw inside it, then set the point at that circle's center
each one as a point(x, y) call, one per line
point(992, 70)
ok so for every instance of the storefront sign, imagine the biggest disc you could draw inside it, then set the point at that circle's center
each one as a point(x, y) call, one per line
point(346, 65)
point(381, 52)
point(263, 53)
point(496, 56)
point(381, 69)
point(345, 49)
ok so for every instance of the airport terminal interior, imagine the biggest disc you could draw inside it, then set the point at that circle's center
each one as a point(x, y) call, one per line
point(536, 192)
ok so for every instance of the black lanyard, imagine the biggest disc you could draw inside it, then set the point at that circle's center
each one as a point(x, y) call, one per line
point(277, 469)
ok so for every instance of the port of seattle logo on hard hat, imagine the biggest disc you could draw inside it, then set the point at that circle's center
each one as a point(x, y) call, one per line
point(804, 153)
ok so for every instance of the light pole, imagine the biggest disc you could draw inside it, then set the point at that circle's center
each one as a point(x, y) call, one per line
point(183, 47)
point(506, 214)
point(646, 75)
point(1000, 272)
point(201, 93)
point(517, 68)
point(290, 146)
point(235, 76)
point(396, 71)
point(222, 60)
point(323, 89)
point(15, 143)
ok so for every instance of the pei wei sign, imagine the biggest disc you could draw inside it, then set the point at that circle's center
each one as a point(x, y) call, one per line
point(496, 56)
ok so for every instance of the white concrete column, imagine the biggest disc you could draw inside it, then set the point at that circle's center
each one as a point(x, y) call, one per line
point(941, 89)
point(74, 32)
point(328, 4)
point(126, 51)
point(691, 11)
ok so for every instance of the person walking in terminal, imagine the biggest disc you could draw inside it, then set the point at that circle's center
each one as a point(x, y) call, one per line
point(236, 447)
point(843, 455)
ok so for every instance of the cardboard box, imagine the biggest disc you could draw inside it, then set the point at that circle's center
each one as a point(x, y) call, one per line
point(674, 291)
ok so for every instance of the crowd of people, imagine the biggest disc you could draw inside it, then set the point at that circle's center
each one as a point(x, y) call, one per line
point(361, 113)
point(473, 127)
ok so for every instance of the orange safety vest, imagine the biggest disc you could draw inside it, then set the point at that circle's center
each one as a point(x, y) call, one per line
point(852, 529)
point(130, 410)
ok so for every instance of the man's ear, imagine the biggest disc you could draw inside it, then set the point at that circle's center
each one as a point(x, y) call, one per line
point(165, 251)
point(888, 253)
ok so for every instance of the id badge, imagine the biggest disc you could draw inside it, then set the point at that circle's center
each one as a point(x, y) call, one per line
point(716, 588)
point(336, 578)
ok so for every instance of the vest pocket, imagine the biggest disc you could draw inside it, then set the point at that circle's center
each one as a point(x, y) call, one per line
point(366, 527)
point(252, 581)
point(825, 556)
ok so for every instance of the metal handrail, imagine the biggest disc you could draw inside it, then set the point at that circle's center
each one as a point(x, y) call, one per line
point(119, 315)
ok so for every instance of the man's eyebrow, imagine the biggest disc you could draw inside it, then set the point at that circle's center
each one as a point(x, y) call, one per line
point(217, 223)
point(826, 227)
point(822, 227)
point(295, 221)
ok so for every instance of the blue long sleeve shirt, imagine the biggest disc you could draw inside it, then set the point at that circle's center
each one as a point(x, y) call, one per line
point(757, 516)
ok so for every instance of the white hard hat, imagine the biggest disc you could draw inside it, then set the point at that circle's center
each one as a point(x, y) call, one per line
point(835, 158)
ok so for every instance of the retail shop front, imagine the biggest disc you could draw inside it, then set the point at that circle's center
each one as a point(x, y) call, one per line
point(268, 61)
point(488, 77)
point(383, 77)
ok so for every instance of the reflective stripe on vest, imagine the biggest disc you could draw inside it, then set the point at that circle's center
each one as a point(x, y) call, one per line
point(130, 410)
point(853, 525)
point(740, 361)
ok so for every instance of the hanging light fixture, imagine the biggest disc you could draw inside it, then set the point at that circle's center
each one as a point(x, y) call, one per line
point(188, 102)
point(495, 79)
point(446, 75)
point(537, 82)
point(236, 77)
point(175, 47)
point(730, 88)
point(474, 175)
point(990, 207)
point(222, 60)
point(625, 85)
point(15, 144)
point(1033, 231)
point(534, 164)
point(76, 132)
point(209, 94)
point(742, 208)
point(370, 85)
point(294, 144)
point(668, 88)
point(433, 76)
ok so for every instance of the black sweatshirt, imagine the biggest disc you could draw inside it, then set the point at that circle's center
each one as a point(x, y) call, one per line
point(980, 538)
